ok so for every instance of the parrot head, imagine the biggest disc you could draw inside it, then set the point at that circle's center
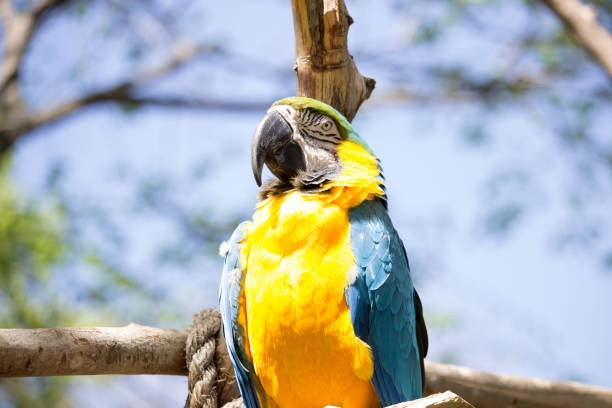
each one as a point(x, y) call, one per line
point(300, 140)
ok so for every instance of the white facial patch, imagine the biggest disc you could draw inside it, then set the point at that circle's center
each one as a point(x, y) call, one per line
point(313, 155)
point(289, 114)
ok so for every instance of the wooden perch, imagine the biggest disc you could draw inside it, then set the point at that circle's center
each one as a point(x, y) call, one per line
point(500, 390)
point(132, 349)
point(325, 69)
point(138, 349)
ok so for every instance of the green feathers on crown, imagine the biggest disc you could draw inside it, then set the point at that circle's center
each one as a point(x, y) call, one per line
point(346, 129)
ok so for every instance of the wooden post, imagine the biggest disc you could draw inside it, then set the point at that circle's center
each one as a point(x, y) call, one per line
point(325, 69)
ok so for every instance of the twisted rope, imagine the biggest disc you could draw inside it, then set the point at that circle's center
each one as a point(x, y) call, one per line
point(210, 381)
point(200, 353)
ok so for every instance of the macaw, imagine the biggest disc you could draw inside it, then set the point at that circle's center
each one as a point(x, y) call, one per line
point(316, 298)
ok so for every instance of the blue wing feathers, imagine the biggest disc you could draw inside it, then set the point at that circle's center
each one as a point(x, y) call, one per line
point(360, 311)
point(387, 393)
point(381, 301)
point(229, 297)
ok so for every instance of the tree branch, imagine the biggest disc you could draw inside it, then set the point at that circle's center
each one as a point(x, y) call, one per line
point(325, 69)
point(17, 120)
point(132, 349)
point(485, 390)
point(44, 6)
point(123, 93)
point(7, 11)
point(138, 349)
point(581, 20)
point(19, 29)
point(182, 52)
point(193, 103)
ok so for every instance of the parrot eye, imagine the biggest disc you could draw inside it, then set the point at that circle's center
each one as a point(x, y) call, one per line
point(326, 125)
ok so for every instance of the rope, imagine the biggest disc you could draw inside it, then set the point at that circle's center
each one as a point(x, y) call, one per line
point(210, 380)
point(200, 353)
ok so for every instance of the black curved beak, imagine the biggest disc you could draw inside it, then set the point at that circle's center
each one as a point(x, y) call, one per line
point(273, 145)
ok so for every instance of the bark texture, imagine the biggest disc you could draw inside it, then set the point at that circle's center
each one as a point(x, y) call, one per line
point(325, 69)
point(138, 349)
point(487, 390)
point(581, 20)
point(132, 349)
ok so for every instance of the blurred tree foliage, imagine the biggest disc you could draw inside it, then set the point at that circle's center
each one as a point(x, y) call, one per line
point(43, 262)
point(52, 275)
point(532, 70)
point(33, 241)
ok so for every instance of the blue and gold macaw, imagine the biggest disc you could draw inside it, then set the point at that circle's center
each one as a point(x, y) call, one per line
point(317, 302)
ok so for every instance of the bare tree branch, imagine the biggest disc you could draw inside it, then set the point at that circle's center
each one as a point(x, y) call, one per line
point(17, 120)
point(581, 20)
point(6, 10)
point(132, 349)
point(488, 390)
point(19, 28)
point(124, 94)
point(193, 103)
point(46, 5)
point(138, 349)
point(182, 52)
point(18, 31)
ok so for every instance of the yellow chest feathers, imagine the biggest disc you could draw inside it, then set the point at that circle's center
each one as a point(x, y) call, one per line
point(301, 338)
point(298, 256)
point(298, 261)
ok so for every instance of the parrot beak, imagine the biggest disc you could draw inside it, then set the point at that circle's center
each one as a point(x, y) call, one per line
point(273, 145)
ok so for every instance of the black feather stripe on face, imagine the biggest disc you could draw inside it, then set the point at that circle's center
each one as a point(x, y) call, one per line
point(311, 126)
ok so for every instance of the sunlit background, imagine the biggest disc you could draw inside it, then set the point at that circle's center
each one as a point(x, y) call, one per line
point(493, 127)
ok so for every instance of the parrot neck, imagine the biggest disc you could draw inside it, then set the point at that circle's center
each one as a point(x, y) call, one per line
point(360, 179)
